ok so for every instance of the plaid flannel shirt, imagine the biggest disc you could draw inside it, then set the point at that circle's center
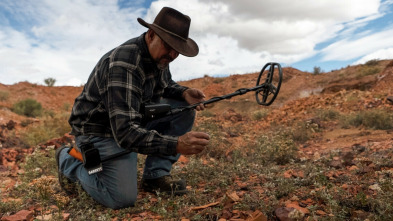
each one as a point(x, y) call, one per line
point(110, 103)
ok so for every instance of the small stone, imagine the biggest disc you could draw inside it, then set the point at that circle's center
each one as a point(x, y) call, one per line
point(24, 215)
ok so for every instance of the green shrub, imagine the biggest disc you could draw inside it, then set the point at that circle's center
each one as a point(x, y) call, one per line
point(28, 107)
point(368, 71)
point(372, 62)
point(278, 147)
point(328, 114)
point(216, 138)
point(25, 123)
point(50, 81)
point(39, 159)
point(260, 114)
point(302, 131)
point(317, 70)
point(38, 134)
point(4, 95)
point(372, 119)
point(51, 127)
point(218, 80)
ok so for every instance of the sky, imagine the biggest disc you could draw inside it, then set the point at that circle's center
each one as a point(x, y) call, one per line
point(64, 39)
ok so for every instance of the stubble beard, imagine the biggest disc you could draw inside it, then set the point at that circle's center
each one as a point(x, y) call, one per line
point(162, 66)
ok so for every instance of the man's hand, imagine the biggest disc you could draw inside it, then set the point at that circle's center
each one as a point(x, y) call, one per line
point(192, 143)
point(193, 96)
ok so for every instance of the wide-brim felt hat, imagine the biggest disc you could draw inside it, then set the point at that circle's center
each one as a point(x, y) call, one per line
point(173, 27)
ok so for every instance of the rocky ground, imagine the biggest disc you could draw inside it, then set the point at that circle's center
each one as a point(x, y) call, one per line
point(346, 91)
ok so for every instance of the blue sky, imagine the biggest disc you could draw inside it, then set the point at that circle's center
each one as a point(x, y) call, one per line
point(64, 39)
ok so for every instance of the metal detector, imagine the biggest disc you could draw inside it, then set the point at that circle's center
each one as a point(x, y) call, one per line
point(266, 90)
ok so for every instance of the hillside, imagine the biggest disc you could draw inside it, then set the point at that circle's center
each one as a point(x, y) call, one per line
point(340, 122)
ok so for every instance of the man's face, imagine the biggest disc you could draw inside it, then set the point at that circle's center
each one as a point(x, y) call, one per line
point(161, 52)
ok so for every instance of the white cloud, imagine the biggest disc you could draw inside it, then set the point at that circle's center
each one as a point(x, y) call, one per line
point(224, 58)
point(347, 49)
point(285, 27)
point(299, 10)
point(64, 39)
point(382, 54)
point(243, 35)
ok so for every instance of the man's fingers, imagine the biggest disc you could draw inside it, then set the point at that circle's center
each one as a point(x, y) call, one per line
point(202, 142)
point(200, 107)
point(200, 135)
point(197, 138)
point(197, 93)
point(197, 141)
point(192, 142)
point(201, 94)
point(194, 149)
point(198, 148)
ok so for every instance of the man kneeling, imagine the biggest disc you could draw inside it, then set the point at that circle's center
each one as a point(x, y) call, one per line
point(107, 115)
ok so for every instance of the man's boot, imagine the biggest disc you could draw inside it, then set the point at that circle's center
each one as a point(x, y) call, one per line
point(165, 184)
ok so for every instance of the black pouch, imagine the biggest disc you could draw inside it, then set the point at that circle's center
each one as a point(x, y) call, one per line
point(91, 158)
point(155, 111)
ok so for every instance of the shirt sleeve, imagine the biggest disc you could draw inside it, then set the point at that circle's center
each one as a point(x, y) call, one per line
point(173, 90)
point(122, 96)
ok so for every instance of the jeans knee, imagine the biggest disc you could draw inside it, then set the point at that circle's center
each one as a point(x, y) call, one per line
point(121, 201)
point(113, 198)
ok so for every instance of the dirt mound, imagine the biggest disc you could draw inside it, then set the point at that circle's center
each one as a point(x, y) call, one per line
point(362, 84)
point(51, 98)
point(385, 80)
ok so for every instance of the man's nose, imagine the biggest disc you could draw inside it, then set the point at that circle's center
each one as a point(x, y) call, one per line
point(173, 54)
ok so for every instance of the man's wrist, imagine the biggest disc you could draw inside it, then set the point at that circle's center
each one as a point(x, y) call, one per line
point(184, 93)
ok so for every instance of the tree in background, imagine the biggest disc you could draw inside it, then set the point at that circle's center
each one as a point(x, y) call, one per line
point(50, 82)
point(317, 70)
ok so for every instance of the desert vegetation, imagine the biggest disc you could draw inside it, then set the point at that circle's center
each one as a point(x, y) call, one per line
point(325, 156)
point(28, 107)
point(264, 172)
point(50, 82)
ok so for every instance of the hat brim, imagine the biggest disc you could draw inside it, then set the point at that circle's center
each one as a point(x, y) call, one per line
point(186, 47)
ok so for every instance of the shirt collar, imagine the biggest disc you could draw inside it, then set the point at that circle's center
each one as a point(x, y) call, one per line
point(143, 47)
point(145, 52)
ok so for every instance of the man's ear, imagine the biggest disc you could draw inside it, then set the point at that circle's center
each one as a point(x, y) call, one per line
point(150, 35)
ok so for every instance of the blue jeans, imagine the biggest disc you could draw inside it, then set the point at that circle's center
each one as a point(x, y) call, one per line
point(116, 186)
